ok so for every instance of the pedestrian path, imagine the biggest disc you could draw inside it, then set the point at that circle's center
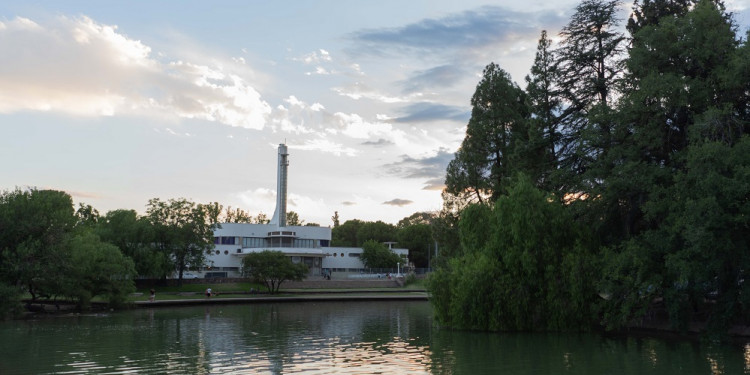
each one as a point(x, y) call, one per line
point(350, 295)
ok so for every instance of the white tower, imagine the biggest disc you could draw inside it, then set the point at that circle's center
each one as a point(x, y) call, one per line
point(279, 216)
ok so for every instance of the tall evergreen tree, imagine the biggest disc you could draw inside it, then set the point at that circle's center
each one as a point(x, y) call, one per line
point(539, 155)
point(487, 158)
point(590, 69)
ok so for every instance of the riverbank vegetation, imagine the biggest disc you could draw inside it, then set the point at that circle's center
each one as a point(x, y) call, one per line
point(614, 188)
point(51, 251)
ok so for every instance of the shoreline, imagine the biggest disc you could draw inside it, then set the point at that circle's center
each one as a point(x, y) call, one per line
point(311, 297)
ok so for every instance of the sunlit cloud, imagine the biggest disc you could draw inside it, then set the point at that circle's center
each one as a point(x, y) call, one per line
point(325, 146)
point(359, 90)
point(80, 67)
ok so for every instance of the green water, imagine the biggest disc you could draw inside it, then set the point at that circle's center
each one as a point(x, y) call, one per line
point(330, 337)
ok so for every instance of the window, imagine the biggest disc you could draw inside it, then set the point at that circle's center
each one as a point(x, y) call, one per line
point(253, 242)
point(218, 252)
point(227, 240)
point(226, 252)
point(355, 255)
point(217, 240)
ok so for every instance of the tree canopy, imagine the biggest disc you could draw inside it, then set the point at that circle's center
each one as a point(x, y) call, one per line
point(272, 268)
point(640, 139)
point(377, 255)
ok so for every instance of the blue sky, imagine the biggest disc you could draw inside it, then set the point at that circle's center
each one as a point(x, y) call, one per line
point(117, 103)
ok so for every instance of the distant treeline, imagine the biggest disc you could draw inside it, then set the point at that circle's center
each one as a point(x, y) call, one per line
point(616, 184)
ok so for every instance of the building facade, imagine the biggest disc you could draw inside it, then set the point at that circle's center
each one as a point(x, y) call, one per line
point(303, 244)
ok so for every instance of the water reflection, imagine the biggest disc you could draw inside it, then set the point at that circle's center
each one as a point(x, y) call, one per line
point(318, 338)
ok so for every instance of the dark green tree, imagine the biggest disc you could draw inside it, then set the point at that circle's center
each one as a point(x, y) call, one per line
point(418, 239)
point(292, 219)
point(589, 70)
point(416, 218)
point(86, 215)
point(183, 230)
point(345, 235)
point(650, 12)
point(261, 218)
point(97, 269)
point(487, 157)
point(237, 215)
point(377, 255)
point(134, 236)
point(378, 231)
point(272, 268)
point(529, 266)
point(539, 155)
point(335, 219)
point(36, 224)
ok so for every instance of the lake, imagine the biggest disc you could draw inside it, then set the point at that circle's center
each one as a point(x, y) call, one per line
point(388, 337)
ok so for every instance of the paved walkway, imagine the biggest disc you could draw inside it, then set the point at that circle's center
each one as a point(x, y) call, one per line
point(400, 295)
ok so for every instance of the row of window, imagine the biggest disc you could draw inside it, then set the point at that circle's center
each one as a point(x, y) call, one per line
point(345, 269)
point(256, 242)
point(224, 240)
point(353, 255)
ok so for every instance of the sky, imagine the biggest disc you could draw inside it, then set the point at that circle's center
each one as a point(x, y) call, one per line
point(120, 102)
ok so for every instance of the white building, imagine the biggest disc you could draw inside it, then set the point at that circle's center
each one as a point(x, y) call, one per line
point(306, 244)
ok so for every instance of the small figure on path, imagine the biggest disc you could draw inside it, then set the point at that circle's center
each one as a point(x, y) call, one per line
point(152, 297)
point(208, 293)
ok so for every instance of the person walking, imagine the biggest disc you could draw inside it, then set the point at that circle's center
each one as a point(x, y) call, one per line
point(208, 293)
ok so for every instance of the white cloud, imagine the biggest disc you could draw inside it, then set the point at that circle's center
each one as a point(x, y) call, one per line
point(358, 90)
point(306, 206)
point(324, 145)
point(315, 57)
point(80, 67)
point(259, 200)
point(354, 126)
point(737, 5)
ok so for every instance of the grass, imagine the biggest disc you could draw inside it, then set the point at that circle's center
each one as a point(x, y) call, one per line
point(201, 288)
point(239, 290)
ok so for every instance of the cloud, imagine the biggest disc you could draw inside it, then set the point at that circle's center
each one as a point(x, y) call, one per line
point(315, 57)
point(304, 205)
point(321, 127)
point(437, 77)
point(379, 143)
point(398, 202)
point(435, 184)
point(355, 126)
point(324, 145)
point(472, 29)
point(81, 67)
point(259, 200)
point(359, 90)
point(431, 167)
point(84, 194)
point(425, 111)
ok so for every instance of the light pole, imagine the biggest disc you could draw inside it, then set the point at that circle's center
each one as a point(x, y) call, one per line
point(398, 269)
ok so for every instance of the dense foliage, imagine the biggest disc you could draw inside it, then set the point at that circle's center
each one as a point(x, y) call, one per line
point(377, 255)
point(615, 186)
point(49, 250)
point(46, 252)
point(272, 268)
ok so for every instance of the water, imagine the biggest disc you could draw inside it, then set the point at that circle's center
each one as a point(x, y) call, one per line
point(330, 338)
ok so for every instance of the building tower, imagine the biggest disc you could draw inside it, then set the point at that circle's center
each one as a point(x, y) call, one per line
point(279, 216)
